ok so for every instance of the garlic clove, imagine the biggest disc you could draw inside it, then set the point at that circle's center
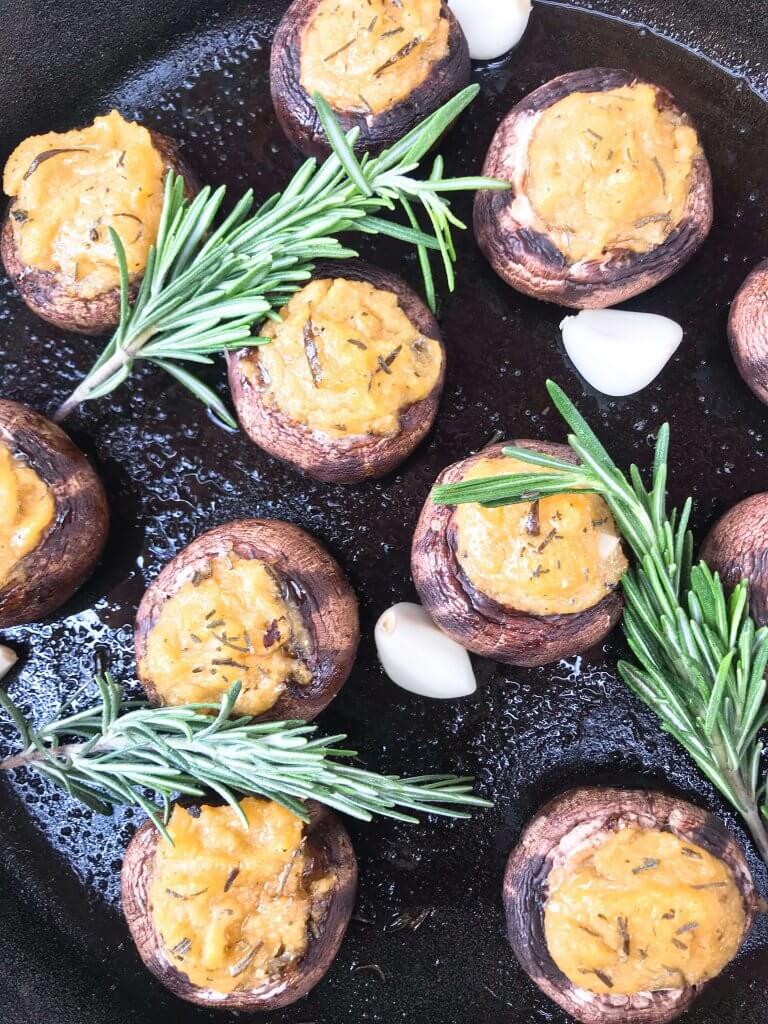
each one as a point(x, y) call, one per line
point(492, 27)
point(8, 659)
point(606, 545)
point(420, 658)
point(619, 353)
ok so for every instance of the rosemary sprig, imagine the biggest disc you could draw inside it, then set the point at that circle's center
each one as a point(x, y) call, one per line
point(204, 289)
point(126, 752)
point(700, 660)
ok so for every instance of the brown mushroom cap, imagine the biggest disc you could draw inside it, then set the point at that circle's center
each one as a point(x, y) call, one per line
point(51, 573)
point(344, 460)
point(748, 331)
point(590, 814)
point(476, 621)
point(324, 597)
point(737, 548)
point(327, 839)
point(531, 262)
point(43, 290)
point(296, 111)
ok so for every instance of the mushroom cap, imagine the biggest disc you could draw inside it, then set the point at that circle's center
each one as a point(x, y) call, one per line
point(43, 290)
point(327, 839)
point(326, 600)
point(476, 621)
point(748, 331)
point(345, 460)
point(737, 548)
point(530, 261)
point(50, 574)
point(296, 111)
point(588, 815)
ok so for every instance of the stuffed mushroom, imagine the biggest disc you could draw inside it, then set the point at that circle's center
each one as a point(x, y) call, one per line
point(748, 331)
point(621, 905)
point(256, 602)
point(351, 379)
point(611, 191)
point(54, 518)
point(67, 190)
point(737, 548)
point(382, 67)
point(240, 918)
point(525, 584)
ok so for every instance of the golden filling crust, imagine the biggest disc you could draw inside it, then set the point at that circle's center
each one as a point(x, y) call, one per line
point(345, 360)
point(367, 57)
point(234, 622)
point(70, 188)
point(641, 912)
point(558, 556)
point(609, 170)
point(27, 511)
point(233, 905)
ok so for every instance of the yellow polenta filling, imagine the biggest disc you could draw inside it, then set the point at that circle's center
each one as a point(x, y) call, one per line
point(560, 555)
point(609, 170)
point(27, 510)
point(346, 360)
point(232, 622)
point(365, 57)
point(233, 905)
point(71, 187)
point(641, 912)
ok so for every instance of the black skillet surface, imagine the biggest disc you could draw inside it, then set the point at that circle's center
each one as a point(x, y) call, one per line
point(199, 72)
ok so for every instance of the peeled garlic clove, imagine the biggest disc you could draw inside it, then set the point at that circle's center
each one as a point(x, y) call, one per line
point(619, 353)
point(8, 659)
point(416, 655)
point(492, 27)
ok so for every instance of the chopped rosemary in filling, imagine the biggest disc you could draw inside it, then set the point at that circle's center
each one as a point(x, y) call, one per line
point(558, 555)
point(609, 170)
point(235, 621)
point(235, 907)
point(366, 57)
point(345, 360)
point(71, 187)
point(27, 510)
point(641, 911)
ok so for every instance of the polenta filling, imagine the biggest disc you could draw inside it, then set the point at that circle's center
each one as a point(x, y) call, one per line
point(234, 621)
point(345, 360)
point(365, 58)
point(556, 556)
point(70, 188)
point(27, 511)
point(234, 905)
point(609, 171)
point(641, 912)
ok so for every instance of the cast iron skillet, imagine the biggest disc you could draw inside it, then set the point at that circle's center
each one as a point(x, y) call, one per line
point(198, 72)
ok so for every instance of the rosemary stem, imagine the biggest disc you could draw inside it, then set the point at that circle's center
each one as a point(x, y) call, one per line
point(66, 750)
point(108, 368)
point(751, 813)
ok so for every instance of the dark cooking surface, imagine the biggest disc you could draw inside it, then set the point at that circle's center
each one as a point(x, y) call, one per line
point(170, 473)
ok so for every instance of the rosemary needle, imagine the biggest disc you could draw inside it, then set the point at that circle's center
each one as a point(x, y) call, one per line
point(126, 752)
point(700, 660)
point(204, 287)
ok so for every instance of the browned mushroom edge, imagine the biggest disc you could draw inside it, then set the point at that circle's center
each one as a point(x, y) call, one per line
point(327, 839)
point(748, 331)
point(737, 548)
point(51, 573)
point(296, 110)
point(346, 460)
point(324, 597)
point(43, 291)
point(587, 813)
point(476, 621)
point(531, 262)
